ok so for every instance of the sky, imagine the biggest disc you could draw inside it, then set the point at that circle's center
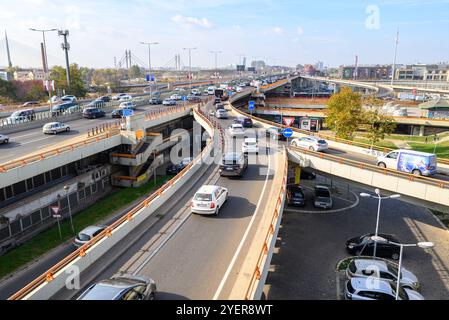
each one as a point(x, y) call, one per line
point(280, 32)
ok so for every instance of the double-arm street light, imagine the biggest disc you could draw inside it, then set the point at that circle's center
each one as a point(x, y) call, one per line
point(149, 44)
point(380, 198)
point(190, 64)
point(422, 245)
point(216, 58)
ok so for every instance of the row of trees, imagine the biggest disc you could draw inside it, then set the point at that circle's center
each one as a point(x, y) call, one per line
point(346, 115)
point(20, 91)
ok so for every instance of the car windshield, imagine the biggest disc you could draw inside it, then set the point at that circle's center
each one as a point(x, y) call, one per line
point(297, 194)
point(402, 294)
point(102, 292)
point(203, 197)
point(83, 237)
point(319, 192)
point(322, 141)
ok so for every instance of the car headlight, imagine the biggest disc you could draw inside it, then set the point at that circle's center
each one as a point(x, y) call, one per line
point(350, 246)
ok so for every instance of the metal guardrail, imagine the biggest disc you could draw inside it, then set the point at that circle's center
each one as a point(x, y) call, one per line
point(70, 147)
point(388, 172)
point(81, 252)
point(261, 259)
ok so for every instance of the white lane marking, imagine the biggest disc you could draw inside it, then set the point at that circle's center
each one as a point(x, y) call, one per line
point(32, 141)
point(24, 135)
point(239, 248)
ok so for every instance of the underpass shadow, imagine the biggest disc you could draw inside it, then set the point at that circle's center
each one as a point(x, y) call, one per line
point(234, 207)
point(10, 145)
point(161, 295)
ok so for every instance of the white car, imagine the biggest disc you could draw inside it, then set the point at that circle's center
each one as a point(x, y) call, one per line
point(4, 139)
point(236, 130)
point(125, 97)
point(209, 199)
point(175, 97)
point(249, 145)
point(311, 143)
point(221, 114)
point(210, 90)
point(195, 92)
point(55, 127)
point(212, 113)
point(87, 234)
point(128, 105)
point(68, 97)
point(16, 120)
point(361, 289)
point(169, 102)
point(118, 96)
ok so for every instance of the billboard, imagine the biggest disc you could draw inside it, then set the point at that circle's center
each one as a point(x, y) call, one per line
point(240, 67)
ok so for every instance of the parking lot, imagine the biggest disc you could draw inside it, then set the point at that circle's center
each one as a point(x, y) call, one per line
point(310, 244)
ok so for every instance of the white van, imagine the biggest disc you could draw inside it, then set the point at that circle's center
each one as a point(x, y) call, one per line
point(209, 199)
point(210, 90)
point(415, 162)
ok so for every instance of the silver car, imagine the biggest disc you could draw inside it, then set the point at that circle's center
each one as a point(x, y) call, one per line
point(366, 289)
point(381, 269)
point(4, 139)
point(221, 114)
point(125, 287)
point(312, 143)
point(87, 234)
point(55, 127)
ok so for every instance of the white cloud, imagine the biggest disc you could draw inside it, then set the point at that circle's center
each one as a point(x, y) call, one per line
point(278, 30)
point(300, 30)
point(190, 22)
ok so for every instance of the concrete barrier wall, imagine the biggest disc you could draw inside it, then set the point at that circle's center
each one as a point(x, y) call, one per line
point(48, 289)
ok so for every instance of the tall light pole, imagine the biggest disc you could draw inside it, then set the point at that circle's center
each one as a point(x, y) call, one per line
point(422, 245)
point(216, 58)
point(67, 189)
point(66, 47)
point(380, 198)
point(45, 64)
point(149, 60)
point(394, 59)
point(190, 64)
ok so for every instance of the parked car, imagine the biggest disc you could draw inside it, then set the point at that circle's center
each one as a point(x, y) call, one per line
point(4, 139)
point(124, 287)
point(381, 269)
point(209, 199)
point(415, 162)
point(169, 102)
point(155, 100)
point(360, 289)
point(30, 114)
point(236, 130)
point(250, 145)
point(312, 143)
point(322, 197)
point(87, 234)
point(295, 196)
point(60, 108)
point(221, 114)
point(128, 105)
point(275, 133)
point(55, 127)
point(93, 113)
point(364, 245)
point(307, 175)
point(233, 164)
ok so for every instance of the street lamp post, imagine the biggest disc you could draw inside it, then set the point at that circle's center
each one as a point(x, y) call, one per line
point(149, 61)
point(380, 198)
point(190, 64)
point(422, 245)
point(67, 189)
point(66, 47)
point(216, 65)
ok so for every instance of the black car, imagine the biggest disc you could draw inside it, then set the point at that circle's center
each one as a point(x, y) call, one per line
point(29, 113)
point(155, 101)
point(93, 113)
point(172, 169)
point(60, 108)
point(307, 175)
point(217, 100)
point(244, 121)
point(104, 99)
point(117, 113)
point(295, 196)
point(233, 164)
point(96, 104)
point(364, 246)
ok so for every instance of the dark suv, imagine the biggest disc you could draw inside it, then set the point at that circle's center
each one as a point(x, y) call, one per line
point(245, 122)
point(364, 246)
point(295, 196)
point(93, 113)
point(233, 164)
point(29, 113)
point(60, 108)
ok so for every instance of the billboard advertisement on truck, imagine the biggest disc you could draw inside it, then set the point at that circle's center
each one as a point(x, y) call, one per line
point(410, 161)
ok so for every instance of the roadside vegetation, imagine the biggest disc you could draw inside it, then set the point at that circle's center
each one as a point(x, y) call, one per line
point(49, 239)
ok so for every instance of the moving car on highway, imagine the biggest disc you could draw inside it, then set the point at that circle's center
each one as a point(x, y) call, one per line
point(30, 103)
point(233, 164)
point(155, 100)
point(118, 96)
point(360, 289)
point(221, 114)
point(128, 105)
point(414, 162)
point(175, 97)
point(30, 114)
point(4, 139)
point(68, 98)
point(364, 245)
point(93, 113)
point(275, 133)
point(117, 113)
point(209, 199)
point(60, 108)
point(125, 287)
point(55, 127)
point(125, 97)
point(169, 102)
point(73, 109)
point(312, 143)
point(244, 121)
point(376, 268)
point(87, 234)
point(249, 145)
point(322, 197)
point(96, 104)
point(236, 130)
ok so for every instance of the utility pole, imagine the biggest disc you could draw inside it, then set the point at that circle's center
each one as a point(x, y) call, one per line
point(394, 59)
point(149, 62)
point(216, 66)
point(66, 47)
point(190, 64)
point(7, 50)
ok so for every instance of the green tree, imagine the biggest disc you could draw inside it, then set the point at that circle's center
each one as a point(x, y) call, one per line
point(344, 113)
point(378, 125)
point(36, 93)
point(135, 71)
point(7, 90)
point(77, 85)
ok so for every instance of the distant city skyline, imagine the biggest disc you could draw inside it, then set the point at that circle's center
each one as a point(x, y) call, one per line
point(294, 32)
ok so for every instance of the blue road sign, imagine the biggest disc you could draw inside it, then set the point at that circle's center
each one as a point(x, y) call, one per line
point(184, 98)
point(287, 132)
point(127, 112)
point(251, 105)
point(147, 77)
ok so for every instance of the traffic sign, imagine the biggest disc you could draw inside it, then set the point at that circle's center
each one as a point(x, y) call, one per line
point(55, 209)
point(287, 132)
point(56, 216)
point(127, 112)
point(288, 121)
point(251, 105)
point(184, 98)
